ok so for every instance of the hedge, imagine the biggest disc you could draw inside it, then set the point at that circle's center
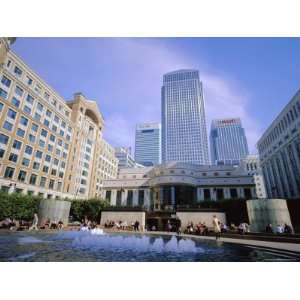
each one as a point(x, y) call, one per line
point(18, 206)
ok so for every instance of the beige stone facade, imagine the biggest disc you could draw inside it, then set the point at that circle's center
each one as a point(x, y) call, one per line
point(48, 147)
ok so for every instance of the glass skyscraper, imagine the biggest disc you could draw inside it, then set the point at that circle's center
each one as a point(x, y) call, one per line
point(228, 142)
point(184, 136)
point(148, 144)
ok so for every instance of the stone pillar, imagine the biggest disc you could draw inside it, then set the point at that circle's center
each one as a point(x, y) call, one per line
point(173, 200)
point(226, 192)
point(124, 198)
point(135, 197)
point(267, 211)
point(147, 198)
point(213, 194)
point(284, 175)
point(240, 192)
point(200, 194)
point(113, 198)
point(161, 197)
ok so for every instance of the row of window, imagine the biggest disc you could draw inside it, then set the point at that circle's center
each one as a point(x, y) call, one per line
point(282, 125)
point(9, 173)
point(36, 87)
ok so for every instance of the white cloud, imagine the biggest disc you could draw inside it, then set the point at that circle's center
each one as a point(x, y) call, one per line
point(146, 61)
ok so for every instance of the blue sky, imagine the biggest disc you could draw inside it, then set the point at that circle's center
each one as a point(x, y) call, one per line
point(250, 78)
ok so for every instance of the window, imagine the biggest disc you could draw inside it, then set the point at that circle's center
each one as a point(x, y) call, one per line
point(63, 124)
point(31, 138)
point(22, 176)
point(9, 172)
point(28, 150)
point(50, 148)
point(8, 126)
point(29, 99)
point(54, 128)
point(1, 106)
point(18, 71)
point(56, 119)
point(5, 81)
point(13, 157)
point(17, 144)
point(25, 162)
point(51, 184)
point(56, 161)
point(53, 172)
point(40, 106)
point(3, 94)
point(61, 132)
point(34, 127)
point(36, 165)
point(37, 116)
point(46, 96)
point(43, 181)
point(15, 102)
point(45, 169)
point(11, 114)
point(29, 81)
point(32, 179)
point(52, 138)
point(60, 142)
point(20, 132)
point(27, 109)
point(48, 113)
point(42, 143)
point(44, 133)
point(2, 153)
point(39, 154)
point(48, 158)
point(23, 121)
point(57, 152)
point(8, 63)
point(46, 122)
point(3, 139)
point(61, 174)
point(19, 91)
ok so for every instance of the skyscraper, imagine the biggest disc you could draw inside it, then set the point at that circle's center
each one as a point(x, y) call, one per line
point(148, 144)
point(228, 143)
point(184, 136)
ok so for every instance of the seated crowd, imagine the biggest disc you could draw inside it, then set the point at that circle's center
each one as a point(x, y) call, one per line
point(122, 225)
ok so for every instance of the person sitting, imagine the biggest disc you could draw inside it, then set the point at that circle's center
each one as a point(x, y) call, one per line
point(287, 229)
point(242, 228)
point(60, 225)
point(53, 225)
point(224, 228)
point(269, 228)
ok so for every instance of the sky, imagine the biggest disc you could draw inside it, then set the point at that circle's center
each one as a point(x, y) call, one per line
point(250, 78)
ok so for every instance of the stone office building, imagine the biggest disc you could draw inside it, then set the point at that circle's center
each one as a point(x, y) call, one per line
point(176, 185)
point(279, 153)
point(48, 146)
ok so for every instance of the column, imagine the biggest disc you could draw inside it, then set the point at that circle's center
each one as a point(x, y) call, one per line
point(124, 198)
point(113, 198)
point(135, 200)
point(147, 198)
point(241, 193)
point(200, 194)
point(173, 200)
point(213, 194)
point(226, 192)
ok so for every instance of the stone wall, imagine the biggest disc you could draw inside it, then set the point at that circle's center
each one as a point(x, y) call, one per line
point(196, 217)
point(55, 210)
point(128, 216)
point(264, 211)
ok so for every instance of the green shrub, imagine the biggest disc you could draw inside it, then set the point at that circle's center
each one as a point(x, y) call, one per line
point(87, 208)
point(18, 206)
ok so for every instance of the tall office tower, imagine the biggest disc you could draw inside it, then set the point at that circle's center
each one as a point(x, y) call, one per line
point(184, 136)
point(228, 143)
point(148, 144)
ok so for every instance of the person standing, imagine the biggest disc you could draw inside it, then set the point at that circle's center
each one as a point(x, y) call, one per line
point(35, 222)
point(216, 225)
